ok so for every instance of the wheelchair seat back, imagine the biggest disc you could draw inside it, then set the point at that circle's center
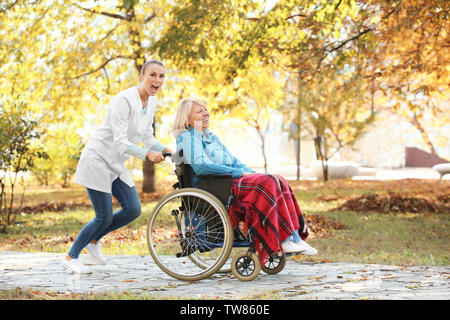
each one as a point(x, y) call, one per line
point(217, 184)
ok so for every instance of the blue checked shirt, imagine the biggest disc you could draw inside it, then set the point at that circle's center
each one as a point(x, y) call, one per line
point(206, 154)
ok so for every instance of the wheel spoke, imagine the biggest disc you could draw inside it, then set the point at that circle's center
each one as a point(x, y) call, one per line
point(183, 227)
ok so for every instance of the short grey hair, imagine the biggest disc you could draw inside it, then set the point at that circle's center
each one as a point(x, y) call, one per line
point(182, 115)
point(149, 62)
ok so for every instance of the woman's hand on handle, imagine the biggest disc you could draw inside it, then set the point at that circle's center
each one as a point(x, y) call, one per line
point(155, 157)
point(167, 152)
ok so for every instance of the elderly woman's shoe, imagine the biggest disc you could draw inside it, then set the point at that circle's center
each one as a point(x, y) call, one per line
point(291, 247)
point(308, 250)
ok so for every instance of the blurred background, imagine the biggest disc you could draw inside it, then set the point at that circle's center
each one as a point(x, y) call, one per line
point(348, 99)
point(310, 89)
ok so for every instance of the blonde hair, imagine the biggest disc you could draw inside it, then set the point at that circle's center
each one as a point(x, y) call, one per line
point(181, 122)
point(149, 62)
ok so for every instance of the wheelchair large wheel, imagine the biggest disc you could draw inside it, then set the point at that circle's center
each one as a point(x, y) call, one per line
point(201, 263)
point(189, 222)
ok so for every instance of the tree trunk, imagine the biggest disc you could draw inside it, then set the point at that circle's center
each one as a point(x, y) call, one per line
point(297, 156)
point(265, 157)
point(299, 125)
point(416, 123)
point(149, 183)
point(263, 147)
point(135, 35)
point(321, 153)
point(148, 173)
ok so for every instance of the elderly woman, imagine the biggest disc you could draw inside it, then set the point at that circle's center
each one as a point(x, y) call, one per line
point(263, 203)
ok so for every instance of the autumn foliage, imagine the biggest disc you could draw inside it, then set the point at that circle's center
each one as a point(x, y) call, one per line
point(328, 66)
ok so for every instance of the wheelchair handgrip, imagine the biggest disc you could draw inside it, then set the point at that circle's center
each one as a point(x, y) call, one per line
point(167, 154)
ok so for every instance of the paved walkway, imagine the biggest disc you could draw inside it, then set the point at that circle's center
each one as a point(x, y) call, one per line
point(350, 281)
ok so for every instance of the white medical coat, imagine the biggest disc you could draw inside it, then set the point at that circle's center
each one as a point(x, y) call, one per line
point(102, 159)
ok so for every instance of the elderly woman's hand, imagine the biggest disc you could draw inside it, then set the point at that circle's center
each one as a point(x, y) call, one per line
point(247, 173)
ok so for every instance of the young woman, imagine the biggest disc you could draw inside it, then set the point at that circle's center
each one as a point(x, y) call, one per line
point(265, 203)
point(101, 169)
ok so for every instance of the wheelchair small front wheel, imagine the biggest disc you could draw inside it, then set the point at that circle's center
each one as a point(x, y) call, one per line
point(245, 265)
point(274, 264)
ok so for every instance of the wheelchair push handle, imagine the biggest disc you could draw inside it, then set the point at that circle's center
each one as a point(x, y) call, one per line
point(166, 154)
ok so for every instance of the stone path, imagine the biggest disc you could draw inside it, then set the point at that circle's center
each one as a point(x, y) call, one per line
point(298, 281)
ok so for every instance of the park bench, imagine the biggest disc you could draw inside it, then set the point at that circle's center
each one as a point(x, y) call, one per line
point(442, 168)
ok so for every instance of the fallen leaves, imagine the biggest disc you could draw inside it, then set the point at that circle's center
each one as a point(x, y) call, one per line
point(128, 233)
point(164, 234)
point(36, 243)
point(397, 202)
point(55, 207)
point(338, 187)
point(320, 226)
point(58, 206)
point(408, 195)
point(35, 294)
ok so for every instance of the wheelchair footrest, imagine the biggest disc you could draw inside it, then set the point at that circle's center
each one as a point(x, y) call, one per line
point(292, 254)
point(241, 244)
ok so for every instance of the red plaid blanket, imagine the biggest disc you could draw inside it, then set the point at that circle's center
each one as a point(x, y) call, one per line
point(269, 210)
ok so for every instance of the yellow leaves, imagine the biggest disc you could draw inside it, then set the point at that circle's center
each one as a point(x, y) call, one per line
point(320, 16)
point(140, 61)
point(375, 20)
point(353, 12)
point(301, 34)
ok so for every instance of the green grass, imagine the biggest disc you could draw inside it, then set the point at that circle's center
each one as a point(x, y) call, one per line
point(369, 237)
point(396, 239)
point(382, 238)
point(55, 232)
point(30, 294)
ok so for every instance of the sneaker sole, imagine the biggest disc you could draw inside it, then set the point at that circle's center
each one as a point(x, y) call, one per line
point(96, 259)
point(75, 271)
point(309, 253)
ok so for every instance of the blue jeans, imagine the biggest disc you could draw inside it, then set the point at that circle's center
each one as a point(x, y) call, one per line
point(105, 221)
point(294, 237)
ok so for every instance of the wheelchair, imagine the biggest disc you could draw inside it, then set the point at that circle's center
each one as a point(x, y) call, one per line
point(190, 236)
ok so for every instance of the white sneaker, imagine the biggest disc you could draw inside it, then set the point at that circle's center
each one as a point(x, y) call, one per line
point(308, 250)
point(94, 250)
point(292, 247)
point(75, 266)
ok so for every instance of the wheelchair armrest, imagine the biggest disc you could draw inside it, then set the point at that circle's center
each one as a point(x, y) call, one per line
point(214, 176)
point(218, 184)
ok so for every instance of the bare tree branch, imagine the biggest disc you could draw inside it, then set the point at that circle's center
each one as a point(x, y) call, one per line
point(343, 43)
point(297, 15)
point(3, 10)
point(338, 4)
point(150, 18)
point(104, 13)
point(102, 66)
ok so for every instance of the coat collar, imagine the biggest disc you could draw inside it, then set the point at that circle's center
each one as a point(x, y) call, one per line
point(133, 95)
point(207, 136)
